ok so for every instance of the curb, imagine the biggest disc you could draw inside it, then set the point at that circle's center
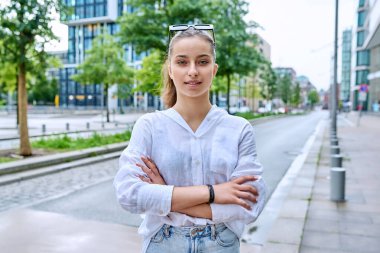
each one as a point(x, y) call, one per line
point(49, 160)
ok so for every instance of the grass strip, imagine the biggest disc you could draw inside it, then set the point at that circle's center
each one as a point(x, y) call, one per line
point(66, 143)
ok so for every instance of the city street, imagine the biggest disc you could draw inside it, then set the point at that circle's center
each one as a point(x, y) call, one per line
point(87, 193)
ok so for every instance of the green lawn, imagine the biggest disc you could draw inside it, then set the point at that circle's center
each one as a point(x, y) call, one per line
point(66, 143)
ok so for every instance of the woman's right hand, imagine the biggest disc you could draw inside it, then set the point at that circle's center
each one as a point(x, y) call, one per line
point(236, 192)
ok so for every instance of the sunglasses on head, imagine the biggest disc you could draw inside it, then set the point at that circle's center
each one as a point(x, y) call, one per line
point(174, 29)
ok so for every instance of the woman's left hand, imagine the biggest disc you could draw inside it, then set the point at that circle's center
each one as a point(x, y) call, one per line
point(150, 168)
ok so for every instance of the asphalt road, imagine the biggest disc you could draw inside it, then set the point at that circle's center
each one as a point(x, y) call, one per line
point(279, 141)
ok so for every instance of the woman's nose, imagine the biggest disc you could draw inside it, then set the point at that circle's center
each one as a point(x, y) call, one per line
point(192, 70)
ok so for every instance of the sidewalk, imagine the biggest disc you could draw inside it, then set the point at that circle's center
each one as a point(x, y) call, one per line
point(307, 221)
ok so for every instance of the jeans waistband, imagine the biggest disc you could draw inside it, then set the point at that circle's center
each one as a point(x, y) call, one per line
point(195, 231)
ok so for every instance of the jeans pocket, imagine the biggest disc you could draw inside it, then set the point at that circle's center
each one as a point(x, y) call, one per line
point(226, 238)
point(158, 237)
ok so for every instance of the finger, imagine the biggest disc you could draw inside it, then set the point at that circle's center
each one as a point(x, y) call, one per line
point(247, 196)
point(248, 188)
point(145, 179)
point(244, 204)
point(243, 179)
point(147, 171)
point(151, 165)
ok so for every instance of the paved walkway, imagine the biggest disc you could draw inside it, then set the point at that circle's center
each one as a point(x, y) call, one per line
point(307, 221)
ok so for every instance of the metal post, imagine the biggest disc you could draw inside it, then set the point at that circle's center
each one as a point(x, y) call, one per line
point(67, 127)
point(336, 161)
point(334, 141)
point(334, 150)
point(335, 86)
point(88, 125)
point(337, 184)
point(43, 128)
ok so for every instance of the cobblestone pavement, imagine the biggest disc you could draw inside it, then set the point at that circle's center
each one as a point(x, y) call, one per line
point(36, 190)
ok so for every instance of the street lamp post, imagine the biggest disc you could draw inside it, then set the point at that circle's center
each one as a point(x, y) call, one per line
point(335, 86)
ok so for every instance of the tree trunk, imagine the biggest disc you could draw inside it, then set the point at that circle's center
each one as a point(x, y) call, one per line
point(25, 148)
point(228, 92)
point(106, 100)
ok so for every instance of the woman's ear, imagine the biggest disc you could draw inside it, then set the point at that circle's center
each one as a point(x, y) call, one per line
point(170, 71)
point(215, 69)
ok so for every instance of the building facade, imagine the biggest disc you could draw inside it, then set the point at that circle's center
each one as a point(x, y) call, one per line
point(89, 18)
point(362, 55)
point(372, 44)
point(345, 84)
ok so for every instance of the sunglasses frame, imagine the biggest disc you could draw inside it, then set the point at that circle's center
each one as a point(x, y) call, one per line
point(173, 29)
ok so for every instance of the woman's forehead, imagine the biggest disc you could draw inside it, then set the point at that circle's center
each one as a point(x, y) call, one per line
point(193, 46)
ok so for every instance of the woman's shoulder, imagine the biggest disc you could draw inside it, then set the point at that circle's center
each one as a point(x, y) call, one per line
point(149, 118)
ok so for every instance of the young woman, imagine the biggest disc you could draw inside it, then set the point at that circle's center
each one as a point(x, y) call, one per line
point(191, 169)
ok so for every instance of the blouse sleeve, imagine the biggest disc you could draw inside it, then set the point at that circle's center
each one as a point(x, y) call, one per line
point(248, 164)
point(133, 194)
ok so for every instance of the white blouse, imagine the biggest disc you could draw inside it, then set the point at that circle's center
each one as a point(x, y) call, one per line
point(222, 148)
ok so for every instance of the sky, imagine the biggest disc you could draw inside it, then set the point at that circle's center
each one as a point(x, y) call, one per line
point(301, 33)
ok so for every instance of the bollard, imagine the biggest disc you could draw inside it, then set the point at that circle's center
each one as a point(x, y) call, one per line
point(67, 127)
point(116, 124)
point(336, 161)
point(334, 141)
point(334, 150)
point(88, 125)
point(337, 184)
point(43, 128)
point(102, 124)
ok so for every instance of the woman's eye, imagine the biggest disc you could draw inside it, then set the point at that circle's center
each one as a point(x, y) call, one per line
point(203, 62)
point(181, 62)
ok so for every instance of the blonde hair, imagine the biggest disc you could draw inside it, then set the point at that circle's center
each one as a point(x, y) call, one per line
point(169, 93)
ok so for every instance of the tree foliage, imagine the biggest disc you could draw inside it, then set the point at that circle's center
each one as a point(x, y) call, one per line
point(25, 28)
point(296, 95)
point(267, 81)
point(147, 29)
point(104, 64)
point(313, 97)
point(147, 77)
point(285, 88)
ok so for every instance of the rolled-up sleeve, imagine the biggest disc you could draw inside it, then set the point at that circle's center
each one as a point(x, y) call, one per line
point(247, 164)
point(133, 194)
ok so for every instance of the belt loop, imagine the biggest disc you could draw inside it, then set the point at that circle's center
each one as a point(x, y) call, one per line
point(166, 230)
point(213, 232)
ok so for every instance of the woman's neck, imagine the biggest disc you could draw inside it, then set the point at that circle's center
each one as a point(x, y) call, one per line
point(193, 111)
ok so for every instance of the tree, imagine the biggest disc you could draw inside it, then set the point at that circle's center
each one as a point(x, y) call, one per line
point(147, 77)
point(313, 97)
point(285, 88)
point(104, 64)
point(25, 28)
point(236, 53)
point(296, 95)
point(236, 48)
point(267, 80)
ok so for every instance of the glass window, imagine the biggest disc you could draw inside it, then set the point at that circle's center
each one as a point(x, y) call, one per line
point(360, 38)
point(361, 18)
point(80, 89)
point(90, 88)
point(71, 87)
point(362, 58)
point(79, 2)
point(101, 1)
point(72, 32)
point(89, 1)
point(361, 3)
point(79, 12)
point(361, 76)
point(99, 10)
point(89, 11)
point(87, 44)
point(87, 31)
point(97, 89)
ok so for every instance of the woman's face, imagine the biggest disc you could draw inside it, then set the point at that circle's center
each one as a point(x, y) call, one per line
point(192, 67)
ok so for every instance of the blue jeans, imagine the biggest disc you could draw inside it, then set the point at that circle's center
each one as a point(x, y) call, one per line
point(198, 239)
